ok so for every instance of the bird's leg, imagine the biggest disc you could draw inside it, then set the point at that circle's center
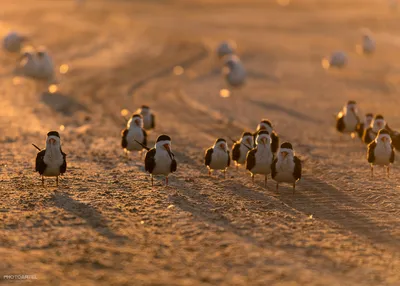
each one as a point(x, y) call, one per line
point(294, 187)
point(152, 180)
point(42, 181)
point(265, 181)
point(388, 171)
point(126, 154)
point(372, 171)
point(237, 166)
point(252, 178)
point(225, 174)
point(277, 186)
point(57, 181)
point(166, 180)
point(209, 172)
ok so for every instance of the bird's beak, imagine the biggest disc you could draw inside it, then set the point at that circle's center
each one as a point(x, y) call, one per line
point(284, 154)
point(264, 140)
point(166, 146)
point(52, 141)
point(384, 139)
point(222, 146)
point(137, 122)
point(379, 124)
point(262, 127)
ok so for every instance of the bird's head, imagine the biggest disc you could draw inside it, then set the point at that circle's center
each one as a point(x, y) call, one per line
point(265, 124)
point(368, 119)
point(221, 144)
point(53, 139)
point(378, 123)
point(136, 121)
point(383, 136)
point(351, 106)
point(247, 138)
point(285, 151)
point(144, 110)
point(263, 138)
point(164, 143)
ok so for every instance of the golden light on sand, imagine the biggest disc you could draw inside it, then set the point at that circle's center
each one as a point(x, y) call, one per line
point(62, 127)
point(16, 80)
point(64, 69)
point(283, 2)
point(359, 49)
point(53, 88)
point(310, 216)
point(178, 70)
point(325, 64)
point(124, 112)
point(170, 206)
point(224, 93)
point(141, 222)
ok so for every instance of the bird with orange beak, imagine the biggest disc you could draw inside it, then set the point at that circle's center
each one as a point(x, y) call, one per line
point(259, 159)
point(347, 120)
point(160, 160)
point(51, 162)
point(286, 168)
point(371, 132)
point(217, 157)
point(241, 147)
point(134, 133)
point(265, 124)
point(381, 152)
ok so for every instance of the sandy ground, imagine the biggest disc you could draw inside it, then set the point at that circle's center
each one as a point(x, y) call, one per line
point(105, 225)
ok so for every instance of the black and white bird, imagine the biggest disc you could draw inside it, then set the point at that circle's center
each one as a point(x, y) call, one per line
point(241, 147)
point(381, 152)
point(265, 124)
point(286, 168)
point(27, 64)
point(45, 66)
point(362, 126)
point(234, 71)
point(134, 131)
point(348, 119)
point(160, 160)
point(259, 159)
point(148, 117)
point(217, 157)
point(51, 162)
point(336, 60)
point(368, 44)
point(371, 132)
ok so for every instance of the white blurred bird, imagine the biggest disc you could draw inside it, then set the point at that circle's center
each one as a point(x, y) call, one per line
point(27, 64)
point(337, 59)
point(148, 117)
point(380, 151)
point(13, 42)
point(234, 71)
point(368, 44)
point(45, 66)
point(224, 49)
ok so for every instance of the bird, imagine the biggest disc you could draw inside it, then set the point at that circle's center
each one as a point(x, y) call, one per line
point(337, 59)
point(134, 134)
point(217, 157)
point(224, 49)
point(241, 147)
point(364, 125)
point(160, 160)
point(51, 162)
point(45, 66)
point(347, 119)
point(265, 124)
point(234, 71)
point(27, 64)
point(371, 132)
point(380, 151)
point(259, 159)
point(13, 42)
point(286, 167)
point(148, 117)
point(368, 44)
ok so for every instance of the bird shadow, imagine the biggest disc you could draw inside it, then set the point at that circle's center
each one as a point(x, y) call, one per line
point(288, 111)
point(62, 103)
point(93, 218)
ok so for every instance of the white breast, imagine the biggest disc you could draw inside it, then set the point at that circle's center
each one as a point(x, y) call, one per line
point(382, 154)
point(219, 160)
point(243, 154)
point(135, 134)
point(53, 160)
point(285, 169)
point(350, 122)
point(45, 69)
point(263, 161)
point(163, 163)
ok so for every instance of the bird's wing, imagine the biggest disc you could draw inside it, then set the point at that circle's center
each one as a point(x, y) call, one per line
point(236, 151)
point(370, 152)
point(273, 168)
point(391, 160)
point(297, 168)
point(207, 157)
point(149, 160)
point(229, 158)
point(40, 164)
point(251, 159)
point(153, 121)
point(63, 167)
point(124, 142)
point(360, 130)
point(174, 165)
point(396, 141)
point(340, 123)
point(145, 137)
point(274, 142)
point(366, 137)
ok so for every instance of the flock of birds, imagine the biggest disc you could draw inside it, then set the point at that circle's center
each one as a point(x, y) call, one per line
point(260, 151)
